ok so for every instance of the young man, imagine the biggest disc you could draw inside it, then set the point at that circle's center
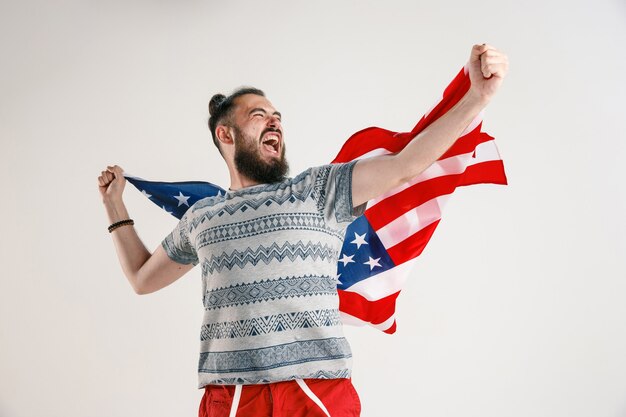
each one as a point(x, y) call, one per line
point(271, 340)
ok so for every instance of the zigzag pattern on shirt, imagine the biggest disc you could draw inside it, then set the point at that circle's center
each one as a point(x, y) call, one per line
point(267, 195)
point(319, 189)
point(267, 290)
point(341, 373)
point(255, 360)
point(257, 326)
point(266, 255)
point(265, 224)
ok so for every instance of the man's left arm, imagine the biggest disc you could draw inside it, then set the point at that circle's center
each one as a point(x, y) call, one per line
point(373, 177)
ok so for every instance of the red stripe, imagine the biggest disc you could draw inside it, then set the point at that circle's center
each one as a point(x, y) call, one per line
point(413, 245)
point(392, 329)
point(374, 312)
point(396, 205)
point(467, 143)
point(488, 172)
point(374, 138)
point(369, 139)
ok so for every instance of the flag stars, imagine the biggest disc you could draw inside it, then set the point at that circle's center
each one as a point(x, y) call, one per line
point(146, 194)
point(182, 199)
point(346, 259)
point(359, 240)
point(372, 262)
point(338, 279)
point(168, 212)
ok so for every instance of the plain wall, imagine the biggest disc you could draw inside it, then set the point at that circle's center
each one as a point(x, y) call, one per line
point(516, 307)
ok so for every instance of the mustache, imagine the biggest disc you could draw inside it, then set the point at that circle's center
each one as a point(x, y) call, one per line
point(271, 129)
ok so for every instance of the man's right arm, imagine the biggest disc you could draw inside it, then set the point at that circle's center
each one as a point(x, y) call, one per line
point(373, 177)
point(146, 272)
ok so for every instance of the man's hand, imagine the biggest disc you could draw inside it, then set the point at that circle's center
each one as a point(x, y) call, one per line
point(487, 69)
point(111, 186)
point(111, 183)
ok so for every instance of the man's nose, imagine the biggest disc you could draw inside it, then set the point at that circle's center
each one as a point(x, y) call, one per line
point(273, 121)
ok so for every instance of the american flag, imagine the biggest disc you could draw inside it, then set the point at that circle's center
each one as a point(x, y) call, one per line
point(381, 246)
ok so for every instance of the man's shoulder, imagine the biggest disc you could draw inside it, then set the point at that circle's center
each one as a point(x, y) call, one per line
point(207, 203)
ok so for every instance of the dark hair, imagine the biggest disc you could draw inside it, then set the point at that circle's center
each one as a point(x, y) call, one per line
point(220, 108)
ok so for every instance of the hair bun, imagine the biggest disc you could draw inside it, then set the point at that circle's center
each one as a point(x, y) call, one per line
point(215, 102)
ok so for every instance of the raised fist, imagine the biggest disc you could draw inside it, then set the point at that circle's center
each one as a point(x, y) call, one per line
point(487, 69)
point(111, 183)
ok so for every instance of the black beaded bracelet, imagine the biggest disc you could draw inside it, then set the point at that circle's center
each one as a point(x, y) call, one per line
point(121, 223)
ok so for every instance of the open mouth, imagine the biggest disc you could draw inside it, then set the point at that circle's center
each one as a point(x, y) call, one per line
point(271, 143)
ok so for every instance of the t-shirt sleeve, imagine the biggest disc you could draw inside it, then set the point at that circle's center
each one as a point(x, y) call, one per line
point(178, 245)
point(333, 193)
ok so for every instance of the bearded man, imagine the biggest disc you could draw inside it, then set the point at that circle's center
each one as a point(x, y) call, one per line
point(272, 343)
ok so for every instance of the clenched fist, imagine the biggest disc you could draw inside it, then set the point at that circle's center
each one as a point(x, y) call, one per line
point(111, 183)
point(487, 68)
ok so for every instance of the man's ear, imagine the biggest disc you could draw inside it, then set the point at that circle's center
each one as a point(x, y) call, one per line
point(224, 134)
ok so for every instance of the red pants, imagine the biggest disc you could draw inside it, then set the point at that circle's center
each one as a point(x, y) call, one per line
point(301, 398)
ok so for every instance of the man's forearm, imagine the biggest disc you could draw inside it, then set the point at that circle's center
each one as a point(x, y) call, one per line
point(131, 251)
point(437, 138)
point(372, 177)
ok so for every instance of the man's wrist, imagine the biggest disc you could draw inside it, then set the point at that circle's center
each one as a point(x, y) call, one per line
point(115, 208)
point(476, 98)
point(112, 201)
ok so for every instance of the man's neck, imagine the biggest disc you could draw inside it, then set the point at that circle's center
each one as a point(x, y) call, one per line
point(238, 182)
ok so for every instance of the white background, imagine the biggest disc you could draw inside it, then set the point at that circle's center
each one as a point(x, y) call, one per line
point(516, 308)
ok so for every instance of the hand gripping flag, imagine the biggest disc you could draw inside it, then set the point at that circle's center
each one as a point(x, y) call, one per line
point(381, 246)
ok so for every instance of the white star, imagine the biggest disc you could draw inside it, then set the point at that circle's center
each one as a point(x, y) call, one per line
point(146, 194)
point(372, 262)
point(359, 240)
point(338, 280)
point(182, 199)
point(168, 212)
point(346, 259)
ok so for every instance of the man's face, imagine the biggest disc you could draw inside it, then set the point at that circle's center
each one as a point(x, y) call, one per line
point(259, 145)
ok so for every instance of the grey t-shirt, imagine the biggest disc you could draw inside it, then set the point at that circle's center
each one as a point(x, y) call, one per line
point(268, 255)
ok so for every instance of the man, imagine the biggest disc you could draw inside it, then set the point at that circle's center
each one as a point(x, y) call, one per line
point(271, 340)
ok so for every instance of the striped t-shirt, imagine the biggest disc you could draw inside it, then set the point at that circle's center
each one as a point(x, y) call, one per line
point(268, 255)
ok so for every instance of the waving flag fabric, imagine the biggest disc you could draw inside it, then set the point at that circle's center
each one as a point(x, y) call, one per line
point(175, 197)
point(381, 246)
point(396, 227)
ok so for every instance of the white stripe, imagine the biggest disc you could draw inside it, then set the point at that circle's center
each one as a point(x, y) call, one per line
point(236, 398)
point(355, 321)
point(383, 284)
point(486, 151)
point(411, 222)
point(312, 396)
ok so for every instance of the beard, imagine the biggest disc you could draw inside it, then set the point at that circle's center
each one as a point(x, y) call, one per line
point(250, 164)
